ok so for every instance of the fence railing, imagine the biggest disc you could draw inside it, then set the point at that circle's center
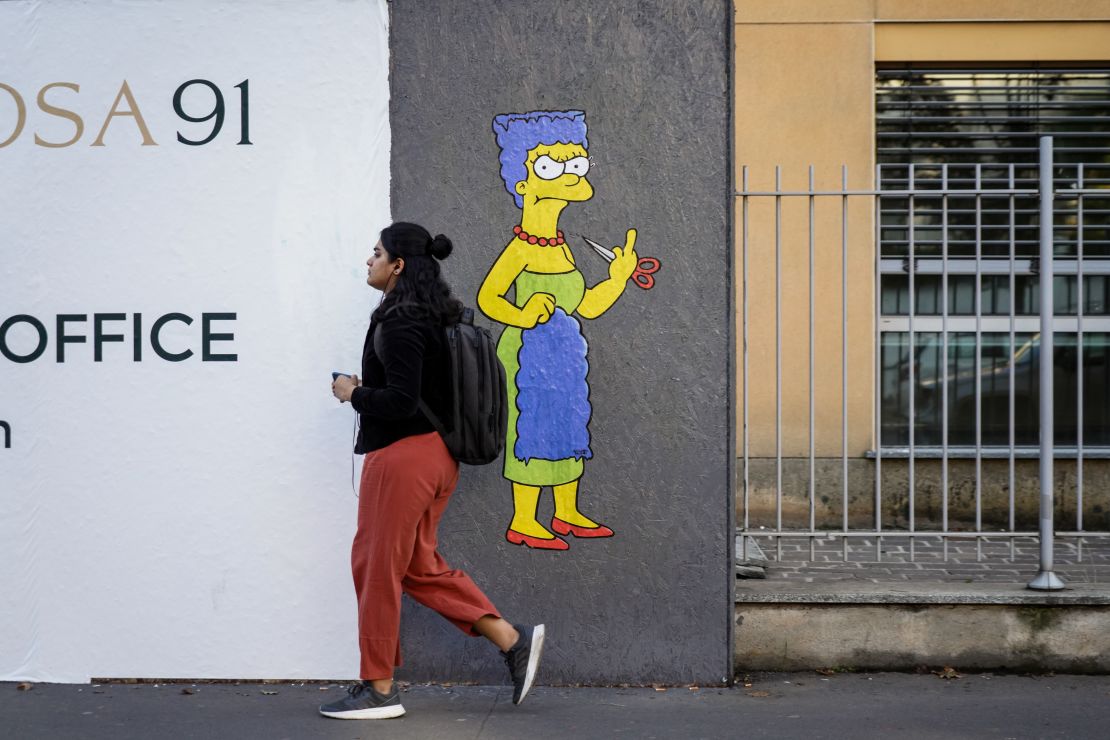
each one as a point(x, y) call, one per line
point(920, 383)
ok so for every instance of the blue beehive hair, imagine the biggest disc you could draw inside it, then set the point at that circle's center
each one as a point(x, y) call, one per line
point(519, 133)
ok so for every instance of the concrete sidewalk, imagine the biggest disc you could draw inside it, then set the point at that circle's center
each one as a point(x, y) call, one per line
point(779, 705)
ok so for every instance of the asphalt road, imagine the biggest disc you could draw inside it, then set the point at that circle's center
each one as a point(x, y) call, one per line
point(779, 705)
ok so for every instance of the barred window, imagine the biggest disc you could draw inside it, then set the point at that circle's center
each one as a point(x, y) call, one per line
point(977, 130)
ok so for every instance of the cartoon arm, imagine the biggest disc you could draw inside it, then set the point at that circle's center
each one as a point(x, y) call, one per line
point(491, 296)
point(602, 296)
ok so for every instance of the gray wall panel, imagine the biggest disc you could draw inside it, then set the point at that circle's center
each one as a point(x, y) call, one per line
point(652, 603)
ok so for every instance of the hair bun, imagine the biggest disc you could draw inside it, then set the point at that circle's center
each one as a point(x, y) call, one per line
point(441, 247)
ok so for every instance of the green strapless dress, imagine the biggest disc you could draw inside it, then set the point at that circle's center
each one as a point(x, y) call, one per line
point(568, 289)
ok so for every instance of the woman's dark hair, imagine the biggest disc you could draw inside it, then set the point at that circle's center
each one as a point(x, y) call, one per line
point(420, 289)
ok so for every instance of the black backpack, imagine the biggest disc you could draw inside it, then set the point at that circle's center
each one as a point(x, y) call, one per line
point(479, 403)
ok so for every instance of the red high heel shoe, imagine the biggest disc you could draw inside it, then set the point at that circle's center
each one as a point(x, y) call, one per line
point(519, 538)
point(565, 528)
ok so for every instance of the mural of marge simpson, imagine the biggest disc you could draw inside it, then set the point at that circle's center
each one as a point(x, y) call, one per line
point(544, 164)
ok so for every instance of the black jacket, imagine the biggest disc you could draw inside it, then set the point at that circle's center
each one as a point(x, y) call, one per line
point(414, 365)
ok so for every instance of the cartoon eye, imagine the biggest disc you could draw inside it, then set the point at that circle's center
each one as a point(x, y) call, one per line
point(547, 168)
point(578, 166)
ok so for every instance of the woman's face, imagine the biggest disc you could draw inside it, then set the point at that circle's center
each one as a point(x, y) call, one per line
point(381, 268)
point(556, 172)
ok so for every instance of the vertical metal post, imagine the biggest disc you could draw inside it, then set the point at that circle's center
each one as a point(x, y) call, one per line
point(812, 434)
point(1079, 308)
point(944, 365)
point(1046, 580)
point(1013, 354)
point(878, 433)
point(912, 507)
point(744, 353)
point(844, 354)
point(979, 357)
point(778, 362)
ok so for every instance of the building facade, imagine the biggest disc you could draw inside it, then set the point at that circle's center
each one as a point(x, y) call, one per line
point(866, 92)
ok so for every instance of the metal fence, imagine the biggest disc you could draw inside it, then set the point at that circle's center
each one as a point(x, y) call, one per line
point(1010, 269)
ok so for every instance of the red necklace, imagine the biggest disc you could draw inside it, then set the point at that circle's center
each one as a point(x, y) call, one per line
point(543, 241)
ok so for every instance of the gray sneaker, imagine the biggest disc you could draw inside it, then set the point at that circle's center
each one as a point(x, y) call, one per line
point(523, 659)
point(362, 702)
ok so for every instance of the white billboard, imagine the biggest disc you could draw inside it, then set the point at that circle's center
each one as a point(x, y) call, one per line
point(187, 192)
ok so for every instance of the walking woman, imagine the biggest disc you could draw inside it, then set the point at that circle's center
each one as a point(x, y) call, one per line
point(408, 477)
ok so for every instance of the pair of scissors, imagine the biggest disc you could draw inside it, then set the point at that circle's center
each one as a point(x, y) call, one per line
point(646, 267)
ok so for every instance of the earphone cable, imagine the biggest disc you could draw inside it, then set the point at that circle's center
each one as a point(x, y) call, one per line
point(354, 438)
point(355, 423)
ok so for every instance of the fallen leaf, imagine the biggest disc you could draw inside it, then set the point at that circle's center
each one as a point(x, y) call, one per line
point(25, 686)
point(759, 694)
point(694, 688)
point(947, 673)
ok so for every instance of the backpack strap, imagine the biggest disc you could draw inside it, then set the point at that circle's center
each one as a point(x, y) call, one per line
point(430, 416)
point(467, 317)
point(424, 408)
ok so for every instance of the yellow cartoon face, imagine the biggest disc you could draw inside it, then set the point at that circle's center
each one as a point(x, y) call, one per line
point(556, 172)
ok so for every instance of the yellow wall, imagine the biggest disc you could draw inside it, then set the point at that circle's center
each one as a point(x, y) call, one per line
point(1001, 42)
point(804, 86)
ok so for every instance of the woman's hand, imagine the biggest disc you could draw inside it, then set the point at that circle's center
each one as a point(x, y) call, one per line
point(624, 264)
point(538, 309)
point(343, 387)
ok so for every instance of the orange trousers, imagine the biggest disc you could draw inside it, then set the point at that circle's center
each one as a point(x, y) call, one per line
point(404, 491)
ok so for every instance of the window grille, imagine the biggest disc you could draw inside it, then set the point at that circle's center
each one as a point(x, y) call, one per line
point(977, 130)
